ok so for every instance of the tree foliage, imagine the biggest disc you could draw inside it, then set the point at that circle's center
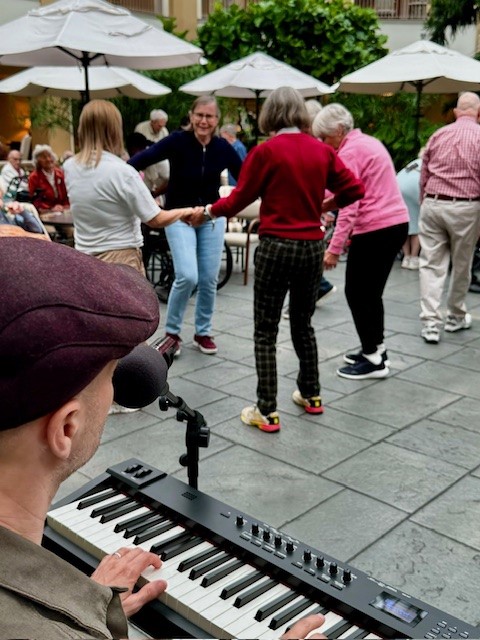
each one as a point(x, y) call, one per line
point(323, 38)
point(456, 14)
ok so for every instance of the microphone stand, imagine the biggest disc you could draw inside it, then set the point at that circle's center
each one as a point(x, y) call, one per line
point(197, 434)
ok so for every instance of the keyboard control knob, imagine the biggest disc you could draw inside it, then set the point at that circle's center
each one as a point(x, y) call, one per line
point(333, 569)
point(278, 541)
point(347, 575)
point(240, 521)
point(307, 555)
point(255, 529)
point(320, 562)
point(266, 535)
point(290, 548)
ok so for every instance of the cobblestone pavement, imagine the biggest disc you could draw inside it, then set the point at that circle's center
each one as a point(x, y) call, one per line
point(388, 478)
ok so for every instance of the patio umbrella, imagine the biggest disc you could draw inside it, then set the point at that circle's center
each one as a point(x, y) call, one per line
point(90, 32)
point(69, 82)
point(255, 76)
point(421, 67)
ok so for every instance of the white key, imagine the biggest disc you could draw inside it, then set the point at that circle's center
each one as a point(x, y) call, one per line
point(245, 626)
point(231, 616)
point(346, 634)
point(222, 605)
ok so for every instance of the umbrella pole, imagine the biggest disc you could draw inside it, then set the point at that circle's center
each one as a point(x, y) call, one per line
point(418, 114)
point(257, 113)
point(86, 93)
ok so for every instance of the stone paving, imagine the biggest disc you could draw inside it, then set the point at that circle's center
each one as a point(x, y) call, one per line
point(388, 478)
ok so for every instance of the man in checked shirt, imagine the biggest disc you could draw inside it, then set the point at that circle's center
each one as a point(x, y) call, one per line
point(449, 218)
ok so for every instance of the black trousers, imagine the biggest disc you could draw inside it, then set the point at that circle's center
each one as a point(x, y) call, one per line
point(370, 260)
point(283, 265)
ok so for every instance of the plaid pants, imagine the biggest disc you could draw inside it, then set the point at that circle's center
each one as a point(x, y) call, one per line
point(283, 265)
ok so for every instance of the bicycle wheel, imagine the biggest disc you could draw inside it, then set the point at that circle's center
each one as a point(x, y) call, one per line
point(226, 267)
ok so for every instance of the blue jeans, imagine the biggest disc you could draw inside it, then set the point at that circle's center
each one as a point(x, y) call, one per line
point(197, 254)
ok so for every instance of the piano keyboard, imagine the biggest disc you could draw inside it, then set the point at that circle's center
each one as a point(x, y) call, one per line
point(229, 575)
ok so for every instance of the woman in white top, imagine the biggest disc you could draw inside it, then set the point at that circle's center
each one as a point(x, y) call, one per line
point(108, 198)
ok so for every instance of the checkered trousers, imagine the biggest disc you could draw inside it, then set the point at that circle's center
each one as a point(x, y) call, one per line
point(283, 265)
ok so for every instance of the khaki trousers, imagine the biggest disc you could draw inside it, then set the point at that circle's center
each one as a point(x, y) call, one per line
point(130, 257)
point(448, 232)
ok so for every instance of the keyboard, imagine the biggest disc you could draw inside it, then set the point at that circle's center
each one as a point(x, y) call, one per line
point(229, 575)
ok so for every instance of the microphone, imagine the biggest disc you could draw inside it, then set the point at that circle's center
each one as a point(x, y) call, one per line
point(140, 378)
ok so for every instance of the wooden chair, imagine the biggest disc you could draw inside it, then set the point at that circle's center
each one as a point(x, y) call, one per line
point(243, 240)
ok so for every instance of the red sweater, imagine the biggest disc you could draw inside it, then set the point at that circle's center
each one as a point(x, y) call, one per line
point(290, 173)
point(42, 191)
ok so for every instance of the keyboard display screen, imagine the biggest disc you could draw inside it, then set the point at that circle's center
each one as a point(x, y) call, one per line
point(400, 609)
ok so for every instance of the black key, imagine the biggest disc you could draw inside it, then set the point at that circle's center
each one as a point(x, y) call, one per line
point(130, 522)
point(217, 574)
point(339, 628)
point(137, 529)
point(319, 609)
point(160, 547)
point(269, 608)
point(241, 584)
point(96, 498)
point(100, 511)
point(153, 531)
point(177, 549)
point(121, 511)
point(199, 557)
point(207, 566)
point(284, 616)
point(247, 596)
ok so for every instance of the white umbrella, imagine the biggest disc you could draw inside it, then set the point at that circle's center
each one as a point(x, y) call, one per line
point(69, 82)
point(255, 76)
point(92, 32)
point(421, 67)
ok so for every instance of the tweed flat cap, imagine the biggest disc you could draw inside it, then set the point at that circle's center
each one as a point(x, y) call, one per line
point(63, 316)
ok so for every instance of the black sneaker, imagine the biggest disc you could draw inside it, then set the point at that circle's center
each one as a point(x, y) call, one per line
point(363, 369)
point(353, 358)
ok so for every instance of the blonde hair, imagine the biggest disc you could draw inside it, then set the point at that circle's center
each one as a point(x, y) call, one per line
point(99, 129)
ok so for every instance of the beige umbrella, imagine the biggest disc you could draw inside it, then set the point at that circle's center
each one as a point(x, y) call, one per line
point(92, 33)
point(69, 82)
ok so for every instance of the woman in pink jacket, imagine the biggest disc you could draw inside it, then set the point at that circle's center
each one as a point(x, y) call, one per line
point(378, 227)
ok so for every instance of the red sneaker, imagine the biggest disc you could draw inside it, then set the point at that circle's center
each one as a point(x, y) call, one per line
point(178, 344)
point(205, 344)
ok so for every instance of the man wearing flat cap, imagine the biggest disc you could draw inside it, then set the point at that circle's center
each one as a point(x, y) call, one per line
point(65, 320)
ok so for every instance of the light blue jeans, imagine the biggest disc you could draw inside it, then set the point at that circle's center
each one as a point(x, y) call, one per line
point(197, 254)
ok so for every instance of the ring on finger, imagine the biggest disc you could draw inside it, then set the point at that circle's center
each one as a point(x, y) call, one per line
point(117, 555)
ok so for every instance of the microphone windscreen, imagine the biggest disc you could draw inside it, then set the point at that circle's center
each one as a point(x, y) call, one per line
point(140, 377)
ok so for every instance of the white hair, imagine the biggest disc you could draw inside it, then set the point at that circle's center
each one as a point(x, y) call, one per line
point(158, 114)
point(328, 120)
point(42, 148)
point(313, 107)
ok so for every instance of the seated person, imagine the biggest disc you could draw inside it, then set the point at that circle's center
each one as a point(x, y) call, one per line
point(13, 175)
point(55, 392)
point(18, 214)
point(46, 183)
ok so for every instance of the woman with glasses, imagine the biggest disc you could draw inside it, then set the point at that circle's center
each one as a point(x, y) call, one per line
point(197, 158)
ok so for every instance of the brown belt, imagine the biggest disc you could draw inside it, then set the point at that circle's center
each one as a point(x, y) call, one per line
point(439, 196)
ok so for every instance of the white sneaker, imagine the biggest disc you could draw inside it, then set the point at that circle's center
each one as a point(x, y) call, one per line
point(406, 262)
point(117, 408)
point(453, 323)
point(414, 263)
point(431, 333)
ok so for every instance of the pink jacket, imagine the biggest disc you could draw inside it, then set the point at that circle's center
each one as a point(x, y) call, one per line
point(383, 205)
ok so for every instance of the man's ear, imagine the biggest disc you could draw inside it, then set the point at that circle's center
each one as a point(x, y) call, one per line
point(62, 427)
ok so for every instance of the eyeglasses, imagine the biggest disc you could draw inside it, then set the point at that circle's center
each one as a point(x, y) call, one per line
point(208, 116)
